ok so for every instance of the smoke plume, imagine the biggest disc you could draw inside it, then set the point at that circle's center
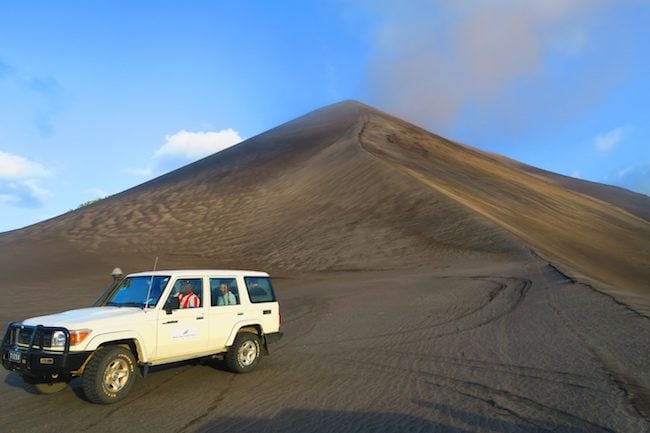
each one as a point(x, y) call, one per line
point(434, 61)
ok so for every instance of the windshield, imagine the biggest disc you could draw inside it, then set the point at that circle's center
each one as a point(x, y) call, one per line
point(132, 292)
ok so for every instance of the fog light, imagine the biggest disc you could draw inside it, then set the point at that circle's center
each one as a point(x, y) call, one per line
point(49, 361)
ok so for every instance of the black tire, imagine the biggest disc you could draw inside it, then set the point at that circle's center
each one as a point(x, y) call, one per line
point(45, 388)
point(109, 375)
point(243, 355)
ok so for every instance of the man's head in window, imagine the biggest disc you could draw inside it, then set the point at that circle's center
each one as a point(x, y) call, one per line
point(186, 287)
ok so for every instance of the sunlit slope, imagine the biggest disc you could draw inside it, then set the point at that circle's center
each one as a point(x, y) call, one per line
point(591, 239)
point(633, 202)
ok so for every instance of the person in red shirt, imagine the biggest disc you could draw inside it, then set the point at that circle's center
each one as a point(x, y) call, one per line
point(186, 297)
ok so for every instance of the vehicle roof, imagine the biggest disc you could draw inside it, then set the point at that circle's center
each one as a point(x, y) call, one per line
point(202, 272)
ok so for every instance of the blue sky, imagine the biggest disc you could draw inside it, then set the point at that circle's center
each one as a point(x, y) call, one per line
point(96, 97)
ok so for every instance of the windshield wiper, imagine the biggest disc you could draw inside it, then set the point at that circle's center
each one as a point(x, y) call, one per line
point(125, 304)
point(133, 304)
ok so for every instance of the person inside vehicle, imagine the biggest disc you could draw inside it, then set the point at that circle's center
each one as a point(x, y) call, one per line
point(226, 297)
point(186, 297)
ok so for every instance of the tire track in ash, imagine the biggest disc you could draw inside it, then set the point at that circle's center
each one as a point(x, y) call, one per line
point(310, 312)
point(494, 292)
point(520, 291)
point(505, 400)
point(515, 403)
point(315, 311)
point(635, 392)
point(517, 287)
point(499, 287)
point(535, 373)
point(216, 402)
point(495, 397)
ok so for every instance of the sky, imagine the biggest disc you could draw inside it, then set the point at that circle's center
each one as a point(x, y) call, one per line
point(97, 97)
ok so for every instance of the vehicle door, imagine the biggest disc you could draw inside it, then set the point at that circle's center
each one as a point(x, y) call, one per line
point(225, 310)
point(183, 329)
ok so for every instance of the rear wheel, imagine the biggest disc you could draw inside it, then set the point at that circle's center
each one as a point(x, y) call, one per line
point(244, 354)
point(109, 375)
point(45, 388)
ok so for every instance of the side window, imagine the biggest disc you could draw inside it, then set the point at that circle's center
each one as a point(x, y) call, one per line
point(259, 289)
point(223, 291)
point(188, 291)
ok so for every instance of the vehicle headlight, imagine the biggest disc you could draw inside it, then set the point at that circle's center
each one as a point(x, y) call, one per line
point(58, 339)
point(76, 337)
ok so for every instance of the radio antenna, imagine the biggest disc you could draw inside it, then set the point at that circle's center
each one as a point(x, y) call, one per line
point(146, 303)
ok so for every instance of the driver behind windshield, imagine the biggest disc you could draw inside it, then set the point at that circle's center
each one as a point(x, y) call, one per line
point(133, 291)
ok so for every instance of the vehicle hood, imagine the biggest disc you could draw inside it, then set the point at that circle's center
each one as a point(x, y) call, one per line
point(91, 318)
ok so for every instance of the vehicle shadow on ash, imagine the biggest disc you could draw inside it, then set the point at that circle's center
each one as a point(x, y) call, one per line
point(495, 421)
point(300, 420)
point(15, 381)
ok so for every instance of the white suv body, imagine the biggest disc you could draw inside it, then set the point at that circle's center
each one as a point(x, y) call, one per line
point(230, 312)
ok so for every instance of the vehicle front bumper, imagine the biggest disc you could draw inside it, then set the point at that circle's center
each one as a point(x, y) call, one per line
point(34, 362)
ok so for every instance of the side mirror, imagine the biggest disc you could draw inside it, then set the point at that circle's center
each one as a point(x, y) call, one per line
point(171, 305)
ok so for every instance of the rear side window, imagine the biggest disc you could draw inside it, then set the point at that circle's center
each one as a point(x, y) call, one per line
point(259, 289)
point(223, 291)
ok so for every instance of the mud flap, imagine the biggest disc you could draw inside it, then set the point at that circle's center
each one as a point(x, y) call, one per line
point(265, 345)
point(144, 370)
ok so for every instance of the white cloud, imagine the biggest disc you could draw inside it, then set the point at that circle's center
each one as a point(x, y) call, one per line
point(18, 181)
point(23, 193)
point(9, 199)
point(625, 171)
point(608, 140)
point(36, 190)
point(194, 145)
point(186, 146)
point(15, 166)
point(576, 174)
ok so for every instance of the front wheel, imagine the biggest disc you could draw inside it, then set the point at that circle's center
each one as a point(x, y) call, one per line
point(109, 375)
point(45, 388)
point(244, 353)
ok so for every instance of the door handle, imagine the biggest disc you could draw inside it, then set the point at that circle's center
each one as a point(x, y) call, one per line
point(200, 318)
point(170, 321)
point(240, 314)
point(266, 312)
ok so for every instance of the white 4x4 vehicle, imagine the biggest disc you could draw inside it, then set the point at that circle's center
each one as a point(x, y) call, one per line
point(147, 319)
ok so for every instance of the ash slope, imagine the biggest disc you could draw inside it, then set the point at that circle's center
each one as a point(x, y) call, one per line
point(572, 225)
point(345, 187)
point(302, 197)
